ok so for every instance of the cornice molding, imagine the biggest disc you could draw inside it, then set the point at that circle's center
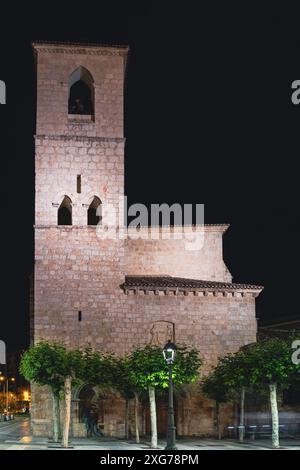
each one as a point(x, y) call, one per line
point(78, 138)
point(168, 285)
point(193, 292)
point(80, 49)
point(173, 228)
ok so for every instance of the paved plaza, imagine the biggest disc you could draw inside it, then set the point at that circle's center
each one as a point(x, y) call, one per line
point(15, 435)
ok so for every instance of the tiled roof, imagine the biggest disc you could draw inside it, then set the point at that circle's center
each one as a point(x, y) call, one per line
point(169, 282)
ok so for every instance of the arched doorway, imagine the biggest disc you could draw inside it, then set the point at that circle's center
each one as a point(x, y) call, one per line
point(90, 407)
point(86, 397)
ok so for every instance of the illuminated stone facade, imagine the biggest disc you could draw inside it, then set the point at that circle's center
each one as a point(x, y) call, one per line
point(81, 292)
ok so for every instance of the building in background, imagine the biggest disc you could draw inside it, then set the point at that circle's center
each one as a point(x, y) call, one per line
point(282, 326)
point(14, 389)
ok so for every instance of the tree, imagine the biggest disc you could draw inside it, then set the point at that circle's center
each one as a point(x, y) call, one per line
point(71, 372)
point(125, 386)
point(124, 383)
point(41, 364)
point(146, 366)
point(267, 363)
point(213, 387)
point(149, 371)
point(98, 368)
point(229, 380)
point(2, 401)
point(272, 366)
point(235, 371)
point(102, 370)
point(53, 365)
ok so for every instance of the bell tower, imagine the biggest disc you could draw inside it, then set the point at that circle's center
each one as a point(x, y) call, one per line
point(79, 131)
point(79, 165)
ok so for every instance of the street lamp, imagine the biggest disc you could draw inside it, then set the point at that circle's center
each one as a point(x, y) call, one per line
point(2, 379)
point(6, 380)
point(169, 353)
point(11, 379)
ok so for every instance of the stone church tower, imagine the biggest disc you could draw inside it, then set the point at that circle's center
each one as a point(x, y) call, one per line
point(79, 165)
point(115, 293)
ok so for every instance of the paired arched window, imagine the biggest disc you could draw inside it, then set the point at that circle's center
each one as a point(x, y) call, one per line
point(64, 215)
point(81, 92)
point(94, 215)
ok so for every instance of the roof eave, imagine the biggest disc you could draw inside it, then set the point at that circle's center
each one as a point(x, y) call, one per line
point(198, 292)
point(54, 45)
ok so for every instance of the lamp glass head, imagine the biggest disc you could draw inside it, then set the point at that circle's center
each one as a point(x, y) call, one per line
point(169, 352)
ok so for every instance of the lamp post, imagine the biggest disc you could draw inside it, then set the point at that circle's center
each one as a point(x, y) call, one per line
point(6, 380)
point(12, 379)
point(169, 353)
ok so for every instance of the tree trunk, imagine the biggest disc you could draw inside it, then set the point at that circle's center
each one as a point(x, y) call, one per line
point(242, 416)
point(136, 415)
point(67, 391)
point(274, 413)
point(218, 424)
point(55, 417)
point(126, 418)
point(153, 417)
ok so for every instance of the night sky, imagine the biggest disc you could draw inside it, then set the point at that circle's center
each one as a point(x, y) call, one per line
point(208, 119)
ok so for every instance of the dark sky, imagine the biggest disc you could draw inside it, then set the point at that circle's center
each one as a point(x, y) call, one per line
point(208, 118)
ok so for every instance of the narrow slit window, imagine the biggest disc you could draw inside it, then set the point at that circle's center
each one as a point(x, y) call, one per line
point(78, 184)
point(79, 315)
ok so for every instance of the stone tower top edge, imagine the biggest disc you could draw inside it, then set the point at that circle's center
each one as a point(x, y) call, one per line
point(68, 47)
point(80, 89)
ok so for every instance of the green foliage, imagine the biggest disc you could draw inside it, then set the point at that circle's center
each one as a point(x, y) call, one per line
point(123, 382)
point(74, 366)
point(229, 376)
point(186, 366)
point(48, 363)
point(271, 362)
point(253, 367)
point(42, 364)
point(98, 368)
point(148, 367)
point(213, 387)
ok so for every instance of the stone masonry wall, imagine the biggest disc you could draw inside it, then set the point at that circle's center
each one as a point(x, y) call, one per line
point(75, 271)
point(176, 257)
point(59, 160)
